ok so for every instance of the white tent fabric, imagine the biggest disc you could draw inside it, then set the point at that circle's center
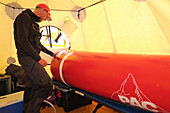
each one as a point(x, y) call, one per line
point(115, 26)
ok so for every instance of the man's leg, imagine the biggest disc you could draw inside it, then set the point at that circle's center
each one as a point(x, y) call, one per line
point(39, 95)
point(40, 82)
point(27, 96)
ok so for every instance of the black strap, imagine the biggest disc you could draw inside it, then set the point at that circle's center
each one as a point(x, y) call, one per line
point(97, 107)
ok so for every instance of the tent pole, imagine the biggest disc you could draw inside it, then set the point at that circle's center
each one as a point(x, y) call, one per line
point(114, 46)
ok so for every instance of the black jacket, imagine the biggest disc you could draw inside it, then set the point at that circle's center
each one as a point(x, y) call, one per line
point(27, 35)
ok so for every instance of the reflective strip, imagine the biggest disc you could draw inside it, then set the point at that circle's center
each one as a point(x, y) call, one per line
point(61, 52)
point(61, 67)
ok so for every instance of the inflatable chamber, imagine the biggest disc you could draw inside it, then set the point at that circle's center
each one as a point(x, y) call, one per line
point(137, 80)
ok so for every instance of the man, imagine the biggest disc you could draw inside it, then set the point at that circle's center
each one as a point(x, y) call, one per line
point(38, 84)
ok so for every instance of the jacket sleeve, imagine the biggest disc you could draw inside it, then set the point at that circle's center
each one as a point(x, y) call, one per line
point(45, 50)
point(22, 29)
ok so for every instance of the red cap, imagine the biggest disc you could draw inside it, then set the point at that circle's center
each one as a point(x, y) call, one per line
point(44, 6)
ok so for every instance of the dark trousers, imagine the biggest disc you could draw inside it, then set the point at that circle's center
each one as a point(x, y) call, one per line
point(38, 85)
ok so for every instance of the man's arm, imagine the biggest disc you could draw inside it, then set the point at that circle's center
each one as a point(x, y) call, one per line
point(45, 50)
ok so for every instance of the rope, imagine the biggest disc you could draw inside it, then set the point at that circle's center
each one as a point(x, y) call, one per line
point(50, 105)
point(57, 9)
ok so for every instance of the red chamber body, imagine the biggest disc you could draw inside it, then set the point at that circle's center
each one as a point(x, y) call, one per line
point(138, 80)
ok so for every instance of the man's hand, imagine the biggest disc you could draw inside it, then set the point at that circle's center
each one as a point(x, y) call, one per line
point(54, 55)
point(43, 62)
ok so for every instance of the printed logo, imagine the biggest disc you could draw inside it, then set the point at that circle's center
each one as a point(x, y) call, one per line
point(129, 93)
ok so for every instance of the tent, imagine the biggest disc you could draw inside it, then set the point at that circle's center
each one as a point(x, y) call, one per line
point(106, 26)
point(113, 26)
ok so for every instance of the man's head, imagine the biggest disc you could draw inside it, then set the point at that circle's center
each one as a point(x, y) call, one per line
point(43, 12)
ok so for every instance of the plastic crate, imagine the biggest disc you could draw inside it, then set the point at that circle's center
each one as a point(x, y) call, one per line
point(69, 100)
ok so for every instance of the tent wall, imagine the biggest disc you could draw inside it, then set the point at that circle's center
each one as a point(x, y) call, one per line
point(7, 47)
point(134, 28)
point(115, 26)
point(161, 12)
